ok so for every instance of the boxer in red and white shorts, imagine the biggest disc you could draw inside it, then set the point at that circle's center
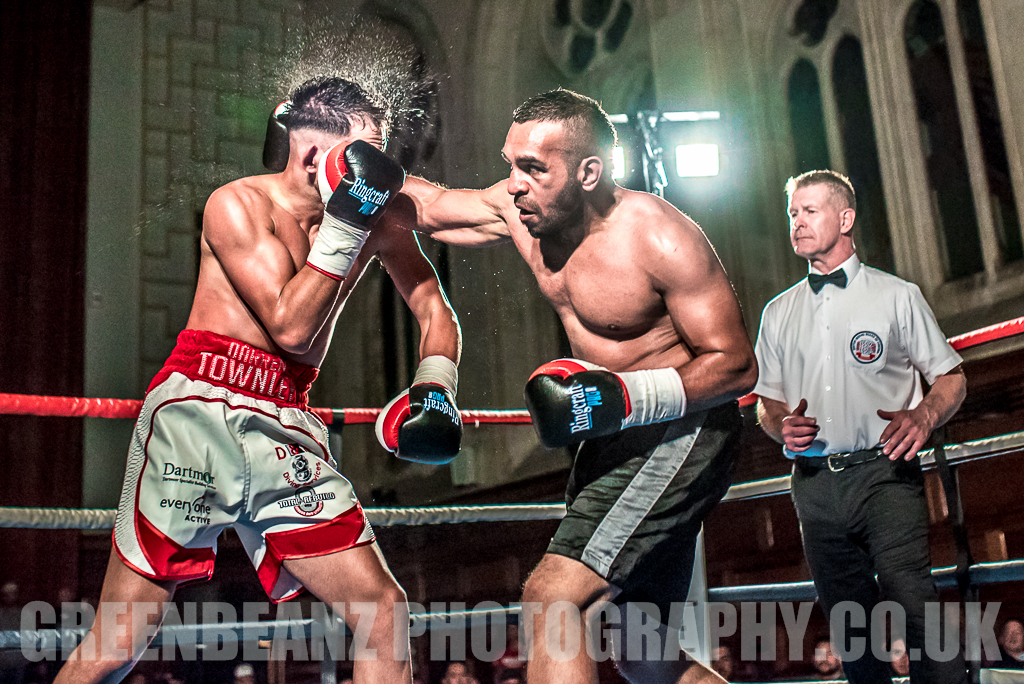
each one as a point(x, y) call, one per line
point(224, 438)
point(261, 465)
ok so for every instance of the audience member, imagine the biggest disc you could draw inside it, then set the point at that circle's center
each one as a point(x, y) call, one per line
point(12, 664)
point(459, 673)
point(509, 664)
point(1011, 646)
point(722, 662)
point(245, 674)
point(900, 659)
point(826, 663)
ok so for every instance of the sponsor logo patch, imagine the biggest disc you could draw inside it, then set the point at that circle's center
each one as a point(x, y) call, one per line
point(196, 511)
point(302, 472)
point(186, 475)
point(306, 501)
point(866, 346)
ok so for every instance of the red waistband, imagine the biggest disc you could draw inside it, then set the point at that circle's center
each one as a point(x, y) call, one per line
point(226, 362)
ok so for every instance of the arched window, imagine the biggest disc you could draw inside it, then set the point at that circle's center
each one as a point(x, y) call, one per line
point(990, 128)
point(942, 138)
point(857, 130)
point(806, 119)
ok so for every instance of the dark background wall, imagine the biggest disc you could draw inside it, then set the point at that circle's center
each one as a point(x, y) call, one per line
point(44, 72)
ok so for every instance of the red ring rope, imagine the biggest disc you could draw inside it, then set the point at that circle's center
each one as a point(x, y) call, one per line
point(35, 405)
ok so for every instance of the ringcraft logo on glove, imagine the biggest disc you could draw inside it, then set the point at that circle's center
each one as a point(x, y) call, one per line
point(583, 401)
point(436, 401)
point(372, 198)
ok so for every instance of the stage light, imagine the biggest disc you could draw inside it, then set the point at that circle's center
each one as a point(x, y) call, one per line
point(697, 160)
point(671, 116)
point(618, 163)
point(652, 134)
point(692, 116)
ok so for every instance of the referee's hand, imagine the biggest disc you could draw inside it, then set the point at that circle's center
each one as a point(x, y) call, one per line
point(906, 433)
point(799, 430)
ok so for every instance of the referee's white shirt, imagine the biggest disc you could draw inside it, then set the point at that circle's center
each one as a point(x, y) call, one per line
point(850, 352)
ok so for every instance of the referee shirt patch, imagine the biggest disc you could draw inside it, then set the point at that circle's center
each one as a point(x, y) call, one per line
point(866, 346)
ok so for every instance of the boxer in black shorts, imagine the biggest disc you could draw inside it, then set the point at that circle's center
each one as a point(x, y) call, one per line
point(674, 472)
point(660, 350)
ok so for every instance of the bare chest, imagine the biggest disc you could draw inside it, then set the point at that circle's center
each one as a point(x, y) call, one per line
point(601, 289)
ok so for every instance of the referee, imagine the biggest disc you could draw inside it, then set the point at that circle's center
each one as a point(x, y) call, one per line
point(842, 355)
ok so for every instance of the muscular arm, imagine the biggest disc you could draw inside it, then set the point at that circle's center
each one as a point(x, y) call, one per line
point(468, 218)
point(704, 311)
point(414, 277)
point(291, 301)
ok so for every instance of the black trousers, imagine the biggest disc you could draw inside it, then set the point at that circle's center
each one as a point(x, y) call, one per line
point(872, 519)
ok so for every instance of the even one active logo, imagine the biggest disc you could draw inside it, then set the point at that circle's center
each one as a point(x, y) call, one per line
point(306, 501)
point(583, 401)
point(372, 199)
point(196, 511)
point(866, 346)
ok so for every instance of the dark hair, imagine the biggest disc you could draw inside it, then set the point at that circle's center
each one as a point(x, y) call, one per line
point(331, 105)
point(590, 132)
point(839, 186)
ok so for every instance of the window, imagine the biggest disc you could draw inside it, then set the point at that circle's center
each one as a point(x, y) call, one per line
point(990, 129)
point(942, 139)
point(806, 120)
point(857, 130)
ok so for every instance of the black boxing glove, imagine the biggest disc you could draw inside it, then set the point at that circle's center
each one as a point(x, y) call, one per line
point(423, 424)
point(572, 400)
point(275, 144)
point(356, 184)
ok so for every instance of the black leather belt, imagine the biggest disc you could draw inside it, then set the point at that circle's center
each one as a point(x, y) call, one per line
point(838, 462)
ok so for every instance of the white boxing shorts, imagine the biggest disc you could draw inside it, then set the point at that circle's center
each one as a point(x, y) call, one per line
point(225, 439)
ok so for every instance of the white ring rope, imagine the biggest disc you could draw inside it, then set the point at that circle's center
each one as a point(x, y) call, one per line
point(103, 519)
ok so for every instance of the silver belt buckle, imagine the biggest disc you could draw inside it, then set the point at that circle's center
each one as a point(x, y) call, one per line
point(833, 468)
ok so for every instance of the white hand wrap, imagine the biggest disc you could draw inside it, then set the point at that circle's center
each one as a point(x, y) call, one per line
point(336, 247)
point(439, 370)
point(655, 396)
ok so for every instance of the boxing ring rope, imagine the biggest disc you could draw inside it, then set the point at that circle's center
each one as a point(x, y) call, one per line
point(37, 405)
point(77, 407)
point(99, 519)
point(103, 519)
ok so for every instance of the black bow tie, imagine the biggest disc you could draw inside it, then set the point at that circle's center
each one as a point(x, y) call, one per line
point(837, 278)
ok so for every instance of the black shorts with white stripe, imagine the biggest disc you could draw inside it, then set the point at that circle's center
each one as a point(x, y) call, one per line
point(636, 500)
